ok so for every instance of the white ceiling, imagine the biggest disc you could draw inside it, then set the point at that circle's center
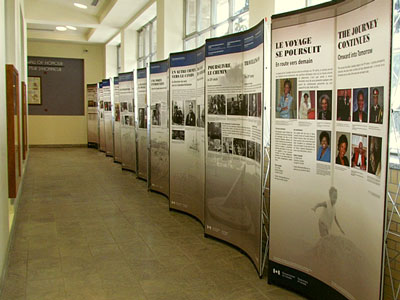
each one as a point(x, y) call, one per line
point(97, 24)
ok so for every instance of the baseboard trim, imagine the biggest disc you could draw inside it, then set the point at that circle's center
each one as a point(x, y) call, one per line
point(59, 146)
point(12, 231)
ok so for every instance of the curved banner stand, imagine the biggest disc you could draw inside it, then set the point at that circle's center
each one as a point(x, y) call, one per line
point(234, 108)
point(117, 122)
point(330, 117)
point(92, 110)
point(128, 140)
point(187, 132)
point(108, 130)
point(159, 127)
point(141, 129)
point(102, 132)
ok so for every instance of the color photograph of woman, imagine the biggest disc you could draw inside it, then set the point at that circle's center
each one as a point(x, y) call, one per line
point(324, 149)
point(286, 94)
point(343, 149)
point(307, 105)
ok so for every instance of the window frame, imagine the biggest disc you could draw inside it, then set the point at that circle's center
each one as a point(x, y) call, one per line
point(146, 29)
point(195, 35)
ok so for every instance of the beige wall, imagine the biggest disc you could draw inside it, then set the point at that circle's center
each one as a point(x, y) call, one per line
point(53, 130)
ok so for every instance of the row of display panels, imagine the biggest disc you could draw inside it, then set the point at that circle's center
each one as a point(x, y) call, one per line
point(203, 111)
point(192, 127)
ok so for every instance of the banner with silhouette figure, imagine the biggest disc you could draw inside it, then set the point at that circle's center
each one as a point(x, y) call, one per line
point(128, 139)
point(187, 132)
point(234, 114)
point(159, 127)
point(330, 112)
point(141, 129)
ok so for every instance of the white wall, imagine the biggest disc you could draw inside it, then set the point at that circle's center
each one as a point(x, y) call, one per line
point(260, 9)
point(3, 145)
point(111, 61)
point(128, 49)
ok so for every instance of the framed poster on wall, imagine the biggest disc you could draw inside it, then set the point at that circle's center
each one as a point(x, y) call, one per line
point(34, 90)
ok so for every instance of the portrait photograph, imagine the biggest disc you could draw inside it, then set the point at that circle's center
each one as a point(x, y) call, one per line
point(177, 112)
point(117, 114)
point(342, 148)
point(217, 104)
point(251, 150)
point(286, 98)
point(124, 106)
point(255, 105)
point(374, 155)
point(227, 145)
point(239, 147)
point(126, 120)
point(324, 109)
point(376, 105)
point(190, 118)
point(306, 109)
point(156, 114)
point(178, 135)
point(142, 118)
point(214, 136)
point(344, 101)
point(323, 146)
point(359, 152)
point(130, 107)
point(258, 152)
point(237, 105)
point(201, 116)
point(360, 105)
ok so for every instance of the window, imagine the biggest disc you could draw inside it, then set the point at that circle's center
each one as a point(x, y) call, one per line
point(147, 43)
point(289, 5)
point(394, 141)
point(213, 18)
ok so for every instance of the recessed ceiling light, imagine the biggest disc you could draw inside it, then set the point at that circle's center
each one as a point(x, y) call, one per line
point(61, 28)
point(80, 5)
point(71, 27)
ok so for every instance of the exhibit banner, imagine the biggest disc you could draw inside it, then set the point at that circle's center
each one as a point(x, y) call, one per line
point(234, 122)
point(128, 139)
point(102, 134)
point(187, 132)
point(108, 126)
point(92, 118)
point(141, 129)
point(117, 122)
point(330, 116)
point(159, 127)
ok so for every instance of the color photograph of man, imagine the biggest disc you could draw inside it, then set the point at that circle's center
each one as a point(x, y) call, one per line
point(324, 105)
point(376, 109)
point(177, 113)
point(359, 149)
point(360, 105)
point(374, 155)
point(307, 105)
point(344, 105)
point(286, 107)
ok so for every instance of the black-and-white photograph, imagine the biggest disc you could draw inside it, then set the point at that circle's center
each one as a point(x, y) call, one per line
point(126, 120)
point(142, 118)
point(214, 136)
point(253, 105)
point(237, 105)
point(251, 150)
point(201, 116)
point(124, 106)
point(190, 118)
point(178, 135)
point(239, 147)
point(227, 145)
point(217, 104)
point(155, 114)
point(130, 107)
point(258, 152)
point(177, 113)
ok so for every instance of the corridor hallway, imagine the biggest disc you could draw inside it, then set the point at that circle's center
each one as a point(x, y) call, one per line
point(87, 230)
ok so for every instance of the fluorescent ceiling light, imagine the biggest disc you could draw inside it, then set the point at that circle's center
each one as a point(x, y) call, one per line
point(83, 6)
point(61, 28)
point(71, 27)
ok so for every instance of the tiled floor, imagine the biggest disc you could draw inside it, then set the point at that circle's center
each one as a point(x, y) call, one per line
point(87, 230)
